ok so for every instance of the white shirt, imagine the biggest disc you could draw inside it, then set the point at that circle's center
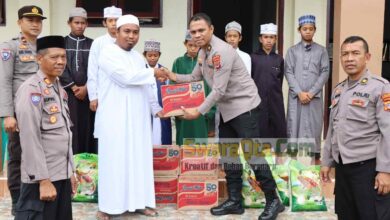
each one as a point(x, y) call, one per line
point(97, 45)
point(246, 58)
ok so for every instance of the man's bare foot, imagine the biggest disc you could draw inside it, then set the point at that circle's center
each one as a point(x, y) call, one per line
point(147, 212)
point(102, 216)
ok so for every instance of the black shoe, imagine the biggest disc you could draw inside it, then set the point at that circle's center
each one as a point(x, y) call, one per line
point(271, 210)
point(228, 207)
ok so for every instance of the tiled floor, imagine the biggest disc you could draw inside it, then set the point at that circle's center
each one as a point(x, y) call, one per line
point(87, 211)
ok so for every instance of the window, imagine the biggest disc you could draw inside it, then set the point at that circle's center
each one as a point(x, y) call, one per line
point(2, 12)
point(148, 11)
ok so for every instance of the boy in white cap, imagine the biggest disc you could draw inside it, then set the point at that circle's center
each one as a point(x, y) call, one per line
point(307, 71)
point(126, 103)
point(111, 14)
point(233, 37)
point(74, 81)
point(162, 130)
point(268, 75)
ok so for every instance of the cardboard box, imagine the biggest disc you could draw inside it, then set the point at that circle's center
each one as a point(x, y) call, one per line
point(199, 161)
point(166, 160)
point(166, 189)
point(197, 193)
point(189, 95)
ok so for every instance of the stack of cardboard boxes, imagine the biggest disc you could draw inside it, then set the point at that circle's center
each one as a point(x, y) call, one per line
point(166, 161)
point(196, 187)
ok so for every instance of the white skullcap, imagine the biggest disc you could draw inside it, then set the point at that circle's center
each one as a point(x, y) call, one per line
point(112, 12)
point(269, 29)
point(235, 26)
point(127, 19)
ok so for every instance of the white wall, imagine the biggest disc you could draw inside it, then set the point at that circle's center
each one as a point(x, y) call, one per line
point(171, 34)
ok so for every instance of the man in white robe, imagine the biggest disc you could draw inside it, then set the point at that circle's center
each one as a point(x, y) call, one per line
point(111, 14)
point(126, 101)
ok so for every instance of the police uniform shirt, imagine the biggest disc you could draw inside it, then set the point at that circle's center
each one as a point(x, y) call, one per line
point(16, 65)
point(224, 71)
point(45, 136)
point(359, 124)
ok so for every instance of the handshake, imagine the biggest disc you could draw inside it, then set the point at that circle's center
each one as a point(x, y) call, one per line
point(162, 74)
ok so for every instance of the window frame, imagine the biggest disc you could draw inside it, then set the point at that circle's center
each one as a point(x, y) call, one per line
point(2, 13)
point(144, 17)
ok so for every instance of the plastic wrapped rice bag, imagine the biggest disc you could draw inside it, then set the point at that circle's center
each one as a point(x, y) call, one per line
point(87, 176)
point(306, 194)
point(280, 174)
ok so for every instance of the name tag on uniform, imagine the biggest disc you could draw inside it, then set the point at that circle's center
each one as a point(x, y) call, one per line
point(358, 102)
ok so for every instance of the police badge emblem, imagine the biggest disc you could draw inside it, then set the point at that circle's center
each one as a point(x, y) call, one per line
point(5, 54)
point(35, 98)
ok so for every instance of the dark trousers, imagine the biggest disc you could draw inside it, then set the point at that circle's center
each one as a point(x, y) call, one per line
point(245, 125)
point(355, 196)
point(31, 207)
point(83, 125)
point(15, 155)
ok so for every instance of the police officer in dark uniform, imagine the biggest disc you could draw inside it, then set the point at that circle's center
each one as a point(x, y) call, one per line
point(16, 65)
point(358, 140)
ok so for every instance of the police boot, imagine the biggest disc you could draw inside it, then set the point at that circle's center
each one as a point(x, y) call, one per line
point(231, 206)
point(272, 206)
point(14, 196)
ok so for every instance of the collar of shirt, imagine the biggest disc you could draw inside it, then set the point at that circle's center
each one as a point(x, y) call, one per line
point(359, 81)
point(24, 41)
point(42, 76)
point(157, 65)
point(76, 38)
point(111, 38)
point(306, 46)
point(262, 52)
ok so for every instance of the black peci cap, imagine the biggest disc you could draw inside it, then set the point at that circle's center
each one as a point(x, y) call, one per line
point(50, 41)
point(30, 11)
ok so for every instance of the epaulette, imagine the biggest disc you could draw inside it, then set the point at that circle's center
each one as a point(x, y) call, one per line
point(380, 79)
point(340, 83)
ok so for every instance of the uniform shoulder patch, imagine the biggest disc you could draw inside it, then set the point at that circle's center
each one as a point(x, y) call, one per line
point(5, 54)
point(216, 61)
point(36, 98)
point(386, 101)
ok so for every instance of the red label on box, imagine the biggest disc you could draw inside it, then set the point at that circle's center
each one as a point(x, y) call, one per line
point(188, 95)
point(166, 198)
point(198, 161)
point(165, 184)
point(166, 189)
point(197, 193)
point(166, 160)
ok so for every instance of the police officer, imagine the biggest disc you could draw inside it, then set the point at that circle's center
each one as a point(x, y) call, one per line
point(16, 65)
point(238, 101)
point(358, 140)
point(41, 106)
